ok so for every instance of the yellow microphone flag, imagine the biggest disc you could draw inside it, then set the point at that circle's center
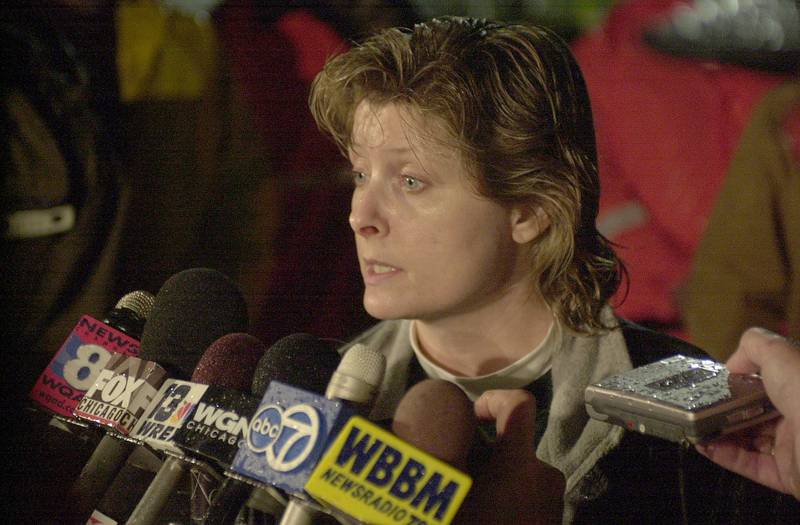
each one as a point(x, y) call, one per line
point(375, 477)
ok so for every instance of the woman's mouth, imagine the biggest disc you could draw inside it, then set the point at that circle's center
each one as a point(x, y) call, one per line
point(376, 272)
point(382, 268)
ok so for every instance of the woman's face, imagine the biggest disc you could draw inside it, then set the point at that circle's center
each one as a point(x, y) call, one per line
point(428, 246)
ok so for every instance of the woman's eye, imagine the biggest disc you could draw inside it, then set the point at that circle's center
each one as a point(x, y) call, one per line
point(359, 177)
point(412, 184)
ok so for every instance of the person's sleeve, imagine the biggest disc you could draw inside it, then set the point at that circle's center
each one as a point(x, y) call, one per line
point(741, 274)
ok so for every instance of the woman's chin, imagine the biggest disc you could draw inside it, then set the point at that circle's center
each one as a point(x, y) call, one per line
point(385, 308)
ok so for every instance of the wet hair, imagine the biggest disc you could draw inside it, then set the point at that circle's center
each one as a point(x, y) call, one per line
point(513, 101)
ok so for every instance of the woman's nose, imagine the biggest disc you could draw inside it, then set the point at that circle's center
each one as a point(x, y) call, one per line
point(366, 216)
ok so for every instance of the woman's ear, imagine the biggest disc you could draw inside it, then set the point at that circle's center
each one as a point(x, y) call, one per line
point(527, 223)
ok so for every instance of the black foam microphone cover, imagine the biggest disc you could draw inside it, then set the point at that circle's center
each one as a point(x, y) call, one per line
point(301, 360)
point(192, 309)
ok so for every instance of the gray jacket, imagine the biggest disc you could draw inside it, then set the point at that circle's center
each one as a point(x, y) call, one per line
point(612, 476)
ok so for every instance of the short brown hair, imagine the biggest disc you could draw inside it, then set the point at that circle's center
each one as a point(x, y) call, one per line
point(515, 104)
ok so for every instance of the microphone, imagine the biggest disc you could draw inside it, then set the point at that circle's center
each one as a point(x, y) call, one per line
point(357, 378)
point(298, 359)
point(218, 424)
point(48, 434)
point(382, 478)
point(119, 397)
point(431, 410)
point(121, 393)
point(192, 309)
point(86, 351)
point(237, 350)
point(289, 431)
point(230, 352)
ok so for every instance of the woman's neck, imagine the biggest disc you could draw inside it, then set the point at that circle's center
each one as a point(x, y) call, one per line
point(489, 338)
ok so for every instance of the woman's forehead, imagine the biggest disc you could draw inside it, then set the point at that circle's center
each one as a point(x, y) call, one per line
point(400, 128)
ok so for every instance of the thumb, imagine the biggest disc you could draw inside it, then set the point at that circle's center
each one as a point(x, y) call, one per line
point(514, 414)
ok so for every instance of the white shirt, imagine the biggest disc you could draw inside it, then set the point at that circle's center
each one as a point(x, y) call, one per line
point(518, 374)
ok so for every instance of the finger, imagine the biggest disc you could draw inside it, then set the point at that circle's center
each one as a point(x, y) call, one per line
point(759, 348)
point(763, 431)
point(757, 466)
point(778, 361)
point(513, 411)
point(764, 444)
point(748, 359)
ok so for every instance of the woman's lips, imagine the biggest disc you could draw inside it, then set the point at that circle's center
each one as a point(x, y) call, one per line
point(376, 271)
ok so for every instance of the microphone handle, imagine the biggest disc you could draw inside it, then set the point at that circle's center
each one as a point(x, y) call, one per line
point(205, 483)
point(130, 484)
point(157, 494)
point(298, 513)
point(103, 466)
point(234, 496)
point(233, 493)
point(265, 502)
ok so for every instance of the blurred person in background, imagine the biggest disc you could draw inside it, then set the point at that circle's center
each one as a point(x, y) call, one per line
point(64, 199)
point(667, 127)
point(275, 50)
point(126, 157)
point(746, 271)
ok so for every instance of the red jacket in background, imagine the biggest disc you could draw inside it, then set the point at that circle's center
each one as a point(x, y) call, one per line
point(666, 129)
point(310, 281)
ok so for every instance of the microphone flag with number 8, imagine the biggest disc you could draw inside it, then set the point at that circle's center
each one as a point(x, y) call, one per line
point(76, 365)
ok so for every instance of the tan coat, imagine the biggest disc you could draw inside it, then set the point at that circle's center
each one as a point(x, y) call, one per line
point(747, 269)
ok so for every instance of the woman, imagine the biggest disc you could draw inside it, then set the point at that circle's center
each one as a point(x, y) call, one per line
point(474, 208)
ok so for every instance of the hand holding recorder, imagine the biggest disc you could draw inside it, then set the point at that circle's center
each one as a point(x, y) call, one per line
point(770, 454)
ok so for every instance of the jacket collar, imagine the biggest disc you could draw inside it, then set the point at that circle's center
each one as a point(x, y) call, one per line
point(572, 441)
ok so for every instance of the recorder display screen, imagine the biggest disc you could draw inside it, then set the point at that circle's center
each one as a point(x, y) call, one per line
point(683, 379)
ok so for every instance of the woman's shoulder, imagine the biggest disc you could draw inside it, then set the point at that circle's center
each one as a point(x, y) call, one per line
point(379, 329)
point(380, 335)
point(390, 338)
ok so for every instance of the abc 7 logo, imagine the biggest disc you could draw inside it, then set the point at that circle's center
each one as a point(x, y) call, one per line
point(286, 437)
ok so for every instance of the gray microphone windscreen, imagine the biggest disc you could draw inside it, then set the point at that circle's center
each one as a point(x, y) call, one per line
point(358, 376)
point(139, 302)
